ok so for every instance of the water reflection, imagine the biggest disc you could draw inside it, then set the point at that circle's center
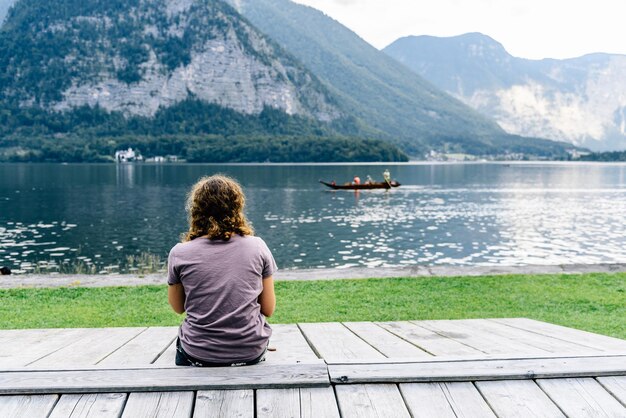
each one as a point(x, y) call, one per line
point(106, 216)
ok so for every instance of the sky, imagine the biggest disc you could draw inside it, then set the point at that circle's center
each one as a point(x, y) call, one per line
point(532, 29)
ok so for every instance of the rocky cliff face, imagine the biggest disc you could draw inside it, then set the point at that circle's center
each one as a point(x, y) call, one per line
point(580, 100)
point(137, 56)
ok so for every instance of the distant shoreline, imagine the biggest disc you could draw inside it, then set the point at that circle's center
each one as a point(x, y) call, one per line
point(109, 280)
point(376, 163)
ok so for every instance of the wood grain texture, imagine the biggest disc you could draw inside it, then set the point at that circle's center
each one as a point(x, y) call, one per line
point(100, 405)
point(27, 406)
point(318, 402)
point(143, 349)
point(224, 403)
point(384, 341)
point(579, 398)
point(334, 341)
point(167, 379)
point(518, 399)
point(290, 345)
point(371, 401)
point(484, 337)
point(22, 347)
point(278, 403)
point(470, 370)
point(426, 400)
point(168, 357)
point(430, 341)
point(540, 341)
point(445, 400)
point(159, 405)
point(616, 386)
point(588, 339)
point(89, 348)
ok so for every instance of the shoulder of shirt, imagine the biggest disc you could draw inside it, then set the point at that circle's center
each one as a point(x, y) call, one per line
point(180, 246)
point(253, 240)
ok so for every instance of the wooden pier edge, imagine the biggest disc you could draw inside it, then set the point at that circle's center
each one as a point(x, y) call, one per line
point(478, 370)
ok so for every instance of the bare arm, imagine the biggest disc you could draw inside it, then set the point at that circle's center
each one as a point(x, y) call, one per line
point(267, 298)
point(176, 297)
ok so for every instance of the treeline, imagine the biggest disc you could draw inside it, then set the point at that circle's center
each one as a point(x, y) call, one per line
point(189, 117)
point(209, 148)
point(193, 130)
point(611, 156)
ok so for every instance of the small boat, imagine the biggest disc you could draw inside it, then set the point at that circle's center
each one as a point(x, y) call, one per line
point(364, 186)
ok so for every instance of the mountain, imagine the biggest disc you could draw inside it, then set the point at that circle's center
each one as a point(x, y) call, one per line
point(137, 57)
point(579, 100)
point(80, 79)
point(4, 8)
point(376, 88)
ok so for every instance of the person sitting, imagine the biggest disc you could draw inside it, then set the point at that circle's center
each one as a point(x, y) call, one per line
point(221, 276)
point(356, 180)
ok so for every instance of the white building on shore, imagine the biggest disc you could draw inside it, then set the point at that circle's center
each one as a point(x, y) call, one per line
point(127, 156)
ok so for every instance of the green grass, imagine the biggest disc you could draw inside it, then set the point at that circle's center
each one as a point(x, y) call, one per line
point(594, 302)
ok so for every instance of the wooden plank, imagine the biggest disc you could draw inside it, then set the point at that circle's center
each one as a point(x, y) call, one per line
point(27, 406)
point(589, 339)
point(470, 370)
point(297, 402)
point(278, 403)
point(148, 379)
point(427, 400)
point(429, 341)
point(582, 398)
point(159, 405)
point(100, 405)
point(384, 341)
point(474, 335)
point(89, 348)
point(544, 342)
point(459, 399)
point(224, 403)
point(616, 386)
point(144, 348)
point(370, 401)
point(289, 344)
point(168, 357)
point(318, 402)
point(333, 341)
point(27, 346)
point(446, 359)
point(518, 399)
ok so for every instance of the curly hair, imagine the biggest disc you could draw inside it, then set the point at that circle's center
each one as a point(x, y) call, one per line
point(215, 208)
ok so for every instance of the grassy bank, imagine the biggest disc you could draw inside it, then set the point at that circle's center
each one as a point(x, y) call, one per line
point(594, 302)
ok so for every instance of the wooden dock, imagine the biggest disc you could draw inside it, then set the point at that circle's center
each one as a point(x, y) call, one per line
point(459, 368)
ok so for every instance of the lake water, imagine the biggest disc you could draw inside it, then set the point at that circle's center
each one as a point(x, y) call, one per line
point(55, 215)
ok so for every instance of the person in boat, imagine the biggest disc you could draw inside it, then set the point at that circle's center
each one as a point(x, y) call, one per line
point(356, 181)
point(221, 276)
point(369, 180)
point(387, 176)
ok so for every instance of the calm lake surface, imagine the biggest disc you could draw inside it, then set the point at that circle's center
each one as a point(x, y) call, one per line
point(55, 215)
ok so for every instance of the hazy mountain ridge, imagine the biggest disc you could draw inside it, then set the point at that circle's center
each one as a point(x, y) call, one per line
point(108, 68)
point(580, 100)
point(372, 86)
point(4, 8)
point(138, 56)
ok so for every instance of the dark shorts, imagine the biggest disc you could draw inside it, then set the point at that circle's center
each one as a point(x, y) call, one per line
point(184, 359)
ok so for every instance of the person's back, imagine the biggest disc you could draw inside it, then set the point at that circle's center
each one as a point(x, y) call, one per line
point(221, 277)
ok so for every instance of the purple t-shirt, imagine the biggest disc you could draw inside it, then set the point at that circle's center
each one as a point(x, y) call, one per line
point(222, 282)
